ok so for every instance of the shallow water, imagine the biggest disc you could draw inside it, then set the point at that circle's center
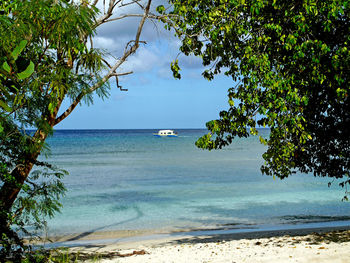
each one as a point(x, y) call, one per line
point(129, 179)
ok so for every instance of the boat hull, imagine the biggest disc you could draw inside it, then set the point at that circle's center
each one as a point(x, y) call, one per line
point(157, 135)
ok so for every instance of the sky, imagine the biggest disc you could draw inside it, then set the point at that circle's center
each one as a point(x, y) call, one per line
point(154, 100)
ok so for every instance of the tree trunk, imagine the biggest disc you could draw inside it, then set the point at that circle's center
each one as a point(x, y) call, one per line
point(9, 191)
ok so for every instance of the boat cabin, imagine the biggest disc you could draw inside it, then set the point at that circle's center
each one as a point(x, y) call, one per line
point(168, 133)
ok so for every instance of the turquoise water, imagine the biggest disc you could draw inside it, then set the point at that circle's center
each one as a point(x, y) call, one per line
point(129, 179)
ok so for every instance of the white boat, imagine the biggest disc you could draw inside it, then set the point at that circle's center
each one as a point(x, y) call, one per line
point(165, 133)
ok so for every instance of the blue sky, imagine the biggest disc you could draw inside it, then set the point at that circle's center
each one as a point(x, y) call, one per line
point(154, 98)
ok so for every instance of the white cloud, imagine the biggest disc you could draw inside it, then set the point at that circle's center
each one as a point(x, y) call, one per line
point(144, 60)
point(162, 46)
point(165, 72)
point(127, 27)
point(104, 42)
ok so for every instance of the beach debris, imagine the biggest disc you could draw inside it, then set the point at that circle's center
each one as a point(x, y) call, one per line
point(135, 252)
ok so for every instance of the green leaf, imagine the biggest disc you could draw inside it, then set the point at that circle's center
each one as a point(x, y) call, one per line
point(51, 107)
point(18, 49)
point(160, 9)
point(5, 106)
point(27, 72)
point(175, 69)
point(6, 67)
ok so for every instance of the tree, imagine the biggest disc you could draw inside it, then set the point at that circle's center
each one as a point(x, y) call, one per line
point(290, 62)
point(39, 196)
point(48, 56)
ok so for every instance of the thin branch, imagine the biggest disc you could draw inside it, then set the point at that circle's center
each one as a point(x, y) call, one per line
point(141, 6)
point(122, 17)
point(106, 62)
point(132, 49)
point(151, 16)
point(116, 3)
point(118, 86)
point(132, 41)
point(111, 6)
point(94, 3)
point(70, 109)
point(128, 52)
point(105, 18)
point(116, 75)
point(107, 14)
point(133, 2)
point(121, 74)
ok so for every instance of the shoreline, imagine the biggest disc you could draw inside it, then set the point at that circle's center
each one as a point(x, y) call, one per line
point(328, 244)
point(125, 237)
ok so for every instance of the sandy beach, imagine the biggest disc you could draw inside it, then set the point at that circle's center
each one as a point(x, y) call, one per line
point(297, 245)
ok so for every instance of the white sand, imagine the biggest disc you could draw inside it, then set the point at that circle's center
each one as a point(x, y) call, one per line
point(271, 250)
point(330, 247)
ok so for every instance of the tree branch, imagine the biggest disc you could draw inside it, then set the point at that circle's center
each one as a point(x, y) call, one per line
point(70, 109)
point(127, 52)
point(121, 74)
point(108, 14)
point(132, 2)
point(94, 2)
point(151, 16)
point(112, 72)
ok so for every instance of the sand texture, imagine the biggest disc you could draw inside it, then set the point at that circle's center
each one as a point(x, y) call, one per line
point(296, 246)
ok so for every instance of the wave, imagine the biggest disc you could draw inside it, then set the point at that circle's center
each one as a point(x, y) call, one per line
point(298, 219)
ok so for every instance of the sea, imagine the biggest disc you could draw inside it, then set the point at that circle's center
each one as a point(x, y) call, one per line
point(132, 180)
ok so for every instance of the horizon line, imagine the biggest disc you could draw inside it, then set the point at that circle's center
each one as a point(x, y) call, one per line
point(262, 128)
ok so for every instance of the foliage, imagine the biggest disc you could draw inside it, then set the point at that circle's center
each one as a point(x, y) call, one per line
point(290, 62)
point(47, 57)
point(36, 74)
point(55, 37)
point(39, 197)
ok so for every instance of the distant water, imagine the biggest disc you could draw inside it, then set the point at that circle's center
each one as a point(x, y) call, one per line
point(131, 180)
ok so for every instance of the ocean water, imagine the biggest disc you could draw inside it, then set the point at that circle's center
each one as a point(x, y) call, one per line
point(131, 180)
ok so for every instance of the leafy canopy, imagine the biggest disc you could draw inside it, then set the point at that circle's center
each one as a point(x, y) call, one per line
point(47, 56)
point(290, 61)
point(43, 60)
point(52, 36)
